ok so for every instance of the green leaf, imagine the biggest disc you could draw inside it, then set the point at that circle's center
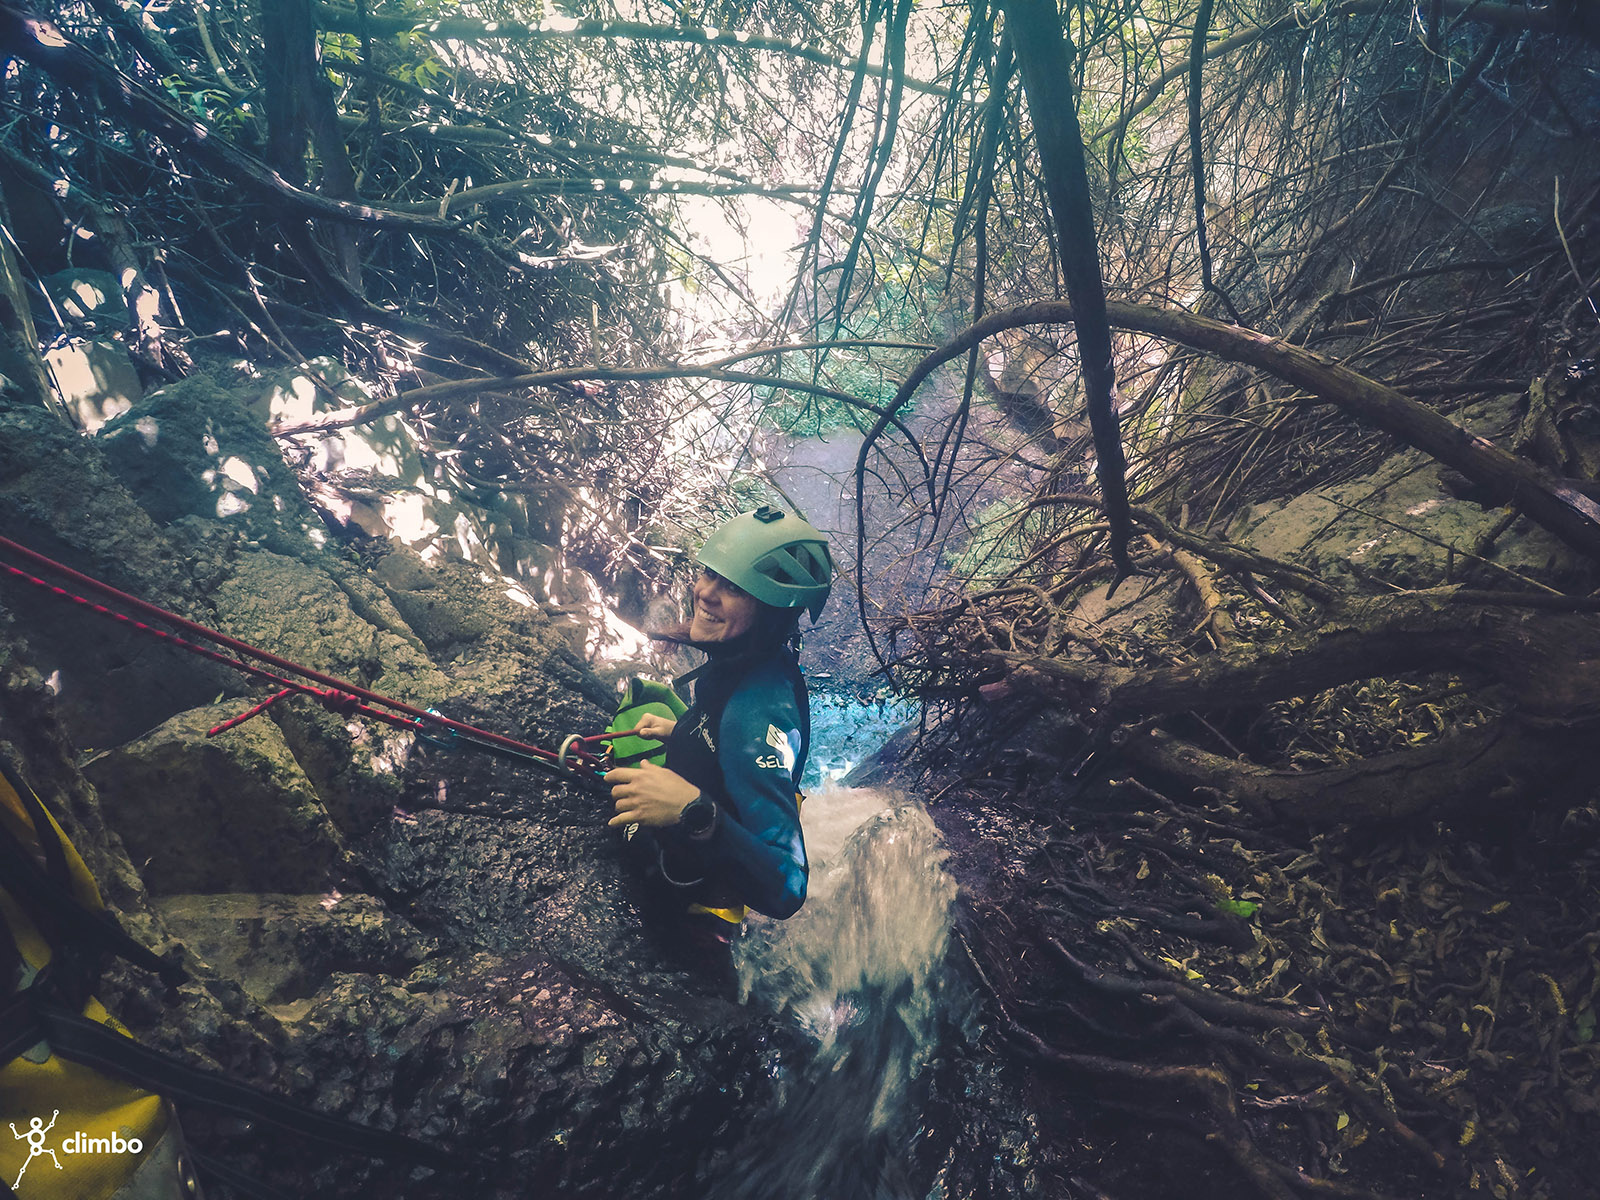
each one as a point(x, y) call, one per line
point(1583, 1027)
point(1244, 909)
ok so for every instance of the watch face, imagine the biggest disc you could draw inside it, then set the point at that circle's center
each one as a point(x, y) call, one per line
point(698, 815)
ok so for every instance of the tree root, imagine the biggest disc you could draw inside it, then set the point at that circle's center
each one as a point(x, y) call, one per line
point(1500, 761)
point(1226, 1008)
point(1208, 1085)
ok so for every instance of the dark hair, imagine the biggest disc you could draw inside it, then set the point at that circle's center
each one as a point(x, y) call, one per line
point(773, 627)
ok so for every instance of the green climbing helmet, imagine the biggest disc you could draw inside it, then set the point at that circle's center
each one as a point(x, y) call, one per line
point(775, 556)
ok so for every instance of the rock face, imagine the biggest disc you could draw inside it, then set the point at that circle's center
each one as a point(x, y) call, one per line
point(282, 949)
point(1410, 523)
point(191, 450)
point(392, 930)
point(197, 813)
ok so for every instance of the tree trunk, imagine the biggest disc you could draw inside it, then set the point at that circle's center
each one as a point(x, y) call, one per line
point(1549, 661)
point(19, 341)
point(1468, 773)
point(1044, 58)
point(300, 109)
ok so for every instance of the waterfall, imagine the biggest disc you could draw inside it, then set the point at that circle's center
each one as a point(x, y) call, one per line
point(860, 971)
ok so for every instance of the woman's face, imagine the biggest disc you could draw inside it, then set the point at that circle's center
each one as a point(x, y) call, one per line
point(722, 611)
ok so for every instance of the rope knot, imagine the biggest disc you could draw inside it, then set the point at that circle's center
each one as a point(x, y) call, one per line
point(339, 702)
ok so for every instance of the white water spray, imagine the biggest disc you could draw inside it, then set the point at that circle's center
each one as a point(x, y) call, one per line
point(860, 970)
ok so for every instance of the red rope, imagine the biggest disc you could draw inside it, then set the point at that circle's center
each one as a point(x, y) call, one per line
point(336, 694)
point(233, 722)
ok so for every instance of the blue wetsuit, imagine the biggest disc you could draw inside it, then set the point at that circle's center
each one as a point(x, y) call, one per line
point(742, 743)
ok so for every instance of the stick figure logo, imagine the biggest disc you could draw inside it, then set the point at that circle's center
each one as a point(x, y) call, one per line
point(36, 1147)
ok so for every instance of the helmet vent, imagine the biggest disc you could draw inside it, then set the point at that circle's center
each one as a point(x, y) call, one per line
point(786, 566)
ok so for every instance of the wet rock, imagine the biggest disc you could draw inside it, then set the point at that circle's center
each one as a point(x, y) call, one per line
point(508, 884)
point(299, 612)
point(1403, 525)
point(883, 764)
point(58, 497)
point(190, 449)
point(1512, 229)
point(198, 813)
point(282, 948)
point(214, 1023)
point(585, 1093)
point(356, 767)
point(447, 605)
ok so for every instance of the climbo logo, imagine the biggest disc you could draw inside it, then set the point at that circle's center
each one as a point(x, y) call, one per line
point(115, 1144)
point(76, 1143)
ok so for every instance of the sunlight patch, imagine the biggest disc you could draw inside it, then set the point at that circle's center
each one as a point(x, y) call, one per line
point(241, 472)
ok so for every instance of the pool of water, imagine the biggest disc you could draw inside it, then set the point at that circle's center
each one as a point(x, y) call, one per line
point(847, 726)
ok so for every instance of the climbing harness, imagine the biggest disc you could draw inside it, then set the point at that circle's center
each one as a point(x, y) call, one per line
point(580, 759)
point(64, 1059)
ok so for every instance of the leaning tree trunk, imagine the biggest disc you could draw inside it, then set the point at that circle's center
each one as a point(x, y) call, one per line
point(1546, 663)
point(1044, 57)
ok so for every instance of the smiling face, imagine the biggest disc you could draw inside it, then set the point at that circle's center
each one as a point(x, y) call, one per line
point(722, 611)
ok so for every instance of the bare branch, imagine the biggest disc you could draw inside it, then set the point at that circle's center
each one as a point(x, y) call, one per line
point(346, 20)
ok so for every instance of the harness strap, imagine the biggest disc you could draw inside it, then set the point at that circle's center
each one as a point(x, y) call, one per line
point(50, 901)
point(94, 1045)
point(211, 1168)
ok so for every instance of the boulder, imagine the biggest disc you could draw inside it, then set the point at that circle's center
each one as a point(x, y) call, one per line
point(1405, 525)
point(192, 449)
point(234, 813)
point(302, 611)
point(283, 947)
point(88, 297)
point(58, 497)
point(95, 379)
point(294, 394)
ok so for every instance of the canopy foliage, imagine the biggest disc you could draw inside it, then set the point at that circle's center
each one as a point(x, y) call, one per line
point(1323, 229)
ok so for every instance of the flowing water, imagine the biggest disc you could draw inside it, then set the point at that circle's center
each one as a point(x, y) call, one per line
point(860, 971)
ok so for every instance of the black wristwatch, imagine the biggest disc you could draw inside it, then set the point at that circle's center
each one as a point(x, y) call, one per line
point(698, 816)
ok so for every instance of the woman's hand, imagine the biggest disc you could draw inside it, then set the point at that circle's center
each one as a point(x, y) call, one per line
point(649, 794)
point(656, 728)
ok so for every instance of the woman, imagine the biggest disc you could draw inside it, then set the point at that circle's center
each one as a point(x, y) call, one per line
point(718, 827)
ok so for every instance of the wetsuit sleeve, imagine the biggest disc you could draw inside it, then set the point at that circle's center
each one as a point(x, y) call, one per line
point(755, 846)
